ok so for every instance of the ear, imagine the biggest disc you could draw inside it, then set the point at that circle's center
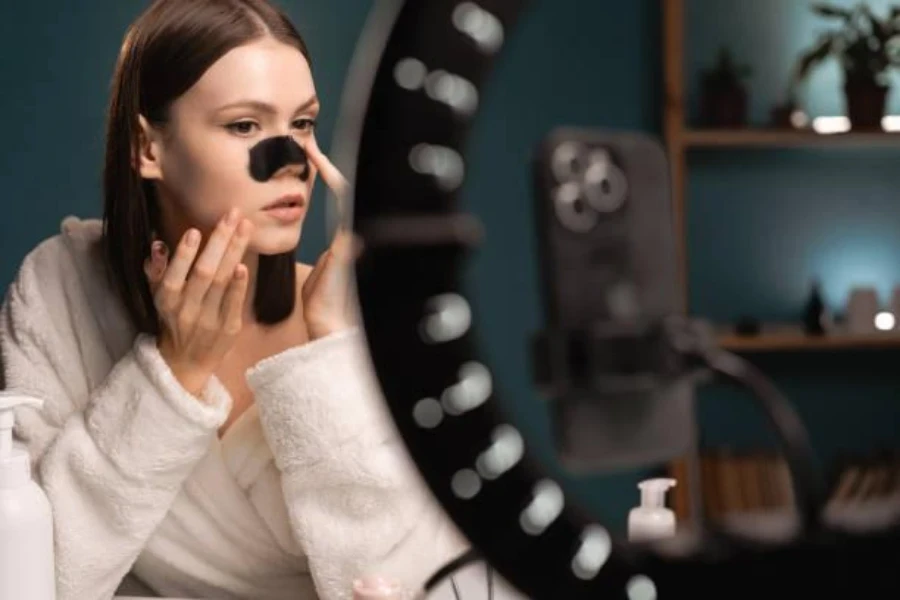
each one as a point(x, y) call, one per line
point(149, 152)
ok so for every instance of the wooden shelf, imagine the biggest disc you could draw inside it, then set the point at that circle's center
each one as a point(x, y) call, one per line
point(786, 138)
point(680, 140)
point(788, 339)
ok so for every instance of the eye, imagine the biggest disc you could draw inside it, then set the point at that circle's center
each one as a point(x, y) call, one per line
point(241, 127)
point(305, 124)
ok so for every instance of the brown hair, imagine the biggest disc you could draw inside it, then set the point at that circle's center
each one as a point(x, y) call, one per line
point(164, 53)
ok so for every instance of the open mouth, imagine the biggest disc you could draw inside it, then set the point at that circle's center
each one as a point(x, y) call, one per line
point(288, 210)
point(287, 202)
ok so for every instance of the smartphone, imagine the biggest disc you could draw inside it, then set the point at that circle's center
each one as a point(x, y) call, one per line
point(605, 228)
point(608, 271)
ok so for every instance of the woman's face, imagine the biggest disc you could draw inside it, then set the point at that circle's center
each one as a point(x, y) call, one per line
point(201, 160)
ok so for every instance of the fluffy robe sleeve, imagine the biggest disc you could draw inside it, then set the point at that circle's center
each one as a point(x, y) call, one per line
point(112, 453)
point(355, 501)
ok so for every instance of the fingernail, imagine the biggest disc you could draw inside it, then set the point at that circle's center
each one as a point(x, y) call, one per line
point(159, 249)
point(193, 238)
point(152, 268)
point(232, 217)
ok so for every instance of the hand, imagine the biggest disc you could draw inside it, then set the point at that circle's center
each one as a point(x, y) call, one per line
point(200, 303)
point(326, 294)
point(330, 174)
point(328, 305)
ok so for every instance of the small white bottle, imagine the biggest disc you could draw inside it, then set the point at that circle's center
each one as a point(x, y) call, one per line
point(652, 520)
point(27, 564)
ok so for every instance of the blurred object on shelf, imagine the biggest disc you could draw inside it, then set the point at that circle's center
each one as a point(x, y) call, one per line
point(744, 482)
point(789, 115)
point(862, 309)
point(865, 478)
point(816, 316)
point(867, 49)
point(894, 305)
point(737, 486)
point(747, 325)
point(723, 95)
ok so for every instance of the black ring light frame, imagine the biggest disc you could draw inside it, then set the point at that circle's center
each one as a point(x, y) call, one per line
point(409, 105)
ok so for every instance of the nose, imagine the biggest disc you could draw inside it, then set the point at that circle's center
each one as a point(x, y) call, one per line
point(291, 170)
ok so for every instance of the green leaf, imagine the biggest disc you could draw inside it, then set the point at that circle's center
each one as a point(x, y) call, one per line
point(815, 55)
point(881, 30)
point(828, 10)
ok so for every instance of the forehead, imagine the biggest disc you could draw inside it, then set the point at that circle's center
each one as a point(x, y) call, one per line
point(272, 71)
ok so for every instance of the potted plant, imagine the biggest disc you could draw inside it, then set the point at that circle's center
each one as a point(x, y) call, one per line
point(867, 48)
point(723, 100)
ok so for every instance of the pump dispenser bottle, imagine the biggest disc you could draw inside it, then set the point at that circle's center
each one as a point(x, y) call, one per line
point(652, 520)
point(27, 567)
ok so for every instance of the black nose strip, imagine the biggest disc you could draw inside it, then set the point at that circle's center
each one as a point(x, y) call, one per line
point(273, 154)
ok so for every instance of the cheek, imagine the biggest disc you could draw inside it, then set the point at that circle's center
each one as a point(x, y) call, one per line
point(208, 179)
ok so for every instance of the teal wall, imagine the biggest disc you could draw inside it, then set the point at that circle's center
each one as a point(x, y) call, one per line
point(761, 223)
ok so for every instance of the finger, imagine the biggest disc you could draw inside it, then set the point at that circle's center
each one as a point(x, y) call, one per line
point(335, 272)
point(233, 302)
point(155, 265)
point(234, 253)
point(173, 280)
point(339, 269)
point(312, 280)
point(204, 270)
point(329, 173)
point(342, 246)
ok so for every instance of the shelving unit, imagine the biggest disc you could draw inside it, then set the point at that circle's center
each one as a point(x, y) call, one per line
point(776, 138)
point(681, 139)
point(790, 338)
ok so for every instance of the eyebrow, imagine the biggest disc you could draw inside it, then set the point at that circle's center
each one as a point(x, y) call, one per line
point(265, 106)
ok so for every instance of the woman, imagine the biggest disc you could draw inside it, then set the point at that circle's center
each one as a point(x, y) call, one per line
point(210, 424)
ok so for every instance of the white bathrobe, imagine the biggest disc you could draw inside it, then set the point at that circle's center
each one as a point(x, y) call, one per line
point(309, 489)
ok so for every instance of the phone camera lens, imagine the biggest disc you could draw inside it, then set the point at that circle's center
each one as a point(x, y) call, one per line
point(573, 212)
point(605, 185)
point(569, 161)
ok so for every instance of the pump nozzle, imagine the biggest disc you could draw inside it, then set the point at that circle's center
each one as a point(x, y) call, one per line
point(9, 401)
point(652, 520)
point(653, 491)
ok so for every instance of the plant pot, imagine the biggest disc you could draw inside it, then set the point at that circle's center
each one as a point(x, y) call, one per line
point(723, 106)
point(866, 104)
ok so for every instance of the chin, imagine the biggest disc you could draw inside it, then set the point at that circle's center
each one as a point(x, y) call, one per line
point(275, 240)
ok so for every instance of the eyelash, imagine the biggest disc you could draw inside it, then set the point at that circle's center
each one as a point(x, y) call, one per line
point(305, 125)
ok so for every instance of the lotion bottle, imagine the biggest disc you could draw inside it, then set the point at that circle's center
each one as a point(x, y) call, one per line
point(652, 520)
point(27, 563)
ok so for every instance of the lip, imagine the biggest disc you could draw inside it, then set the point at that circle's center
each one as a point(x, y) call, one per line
point(296, 199)
point(286, 214)
point(287, 209)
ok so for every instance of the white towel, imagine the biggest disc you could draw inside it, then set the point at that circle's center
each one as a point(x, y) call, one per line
point(136, 477)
